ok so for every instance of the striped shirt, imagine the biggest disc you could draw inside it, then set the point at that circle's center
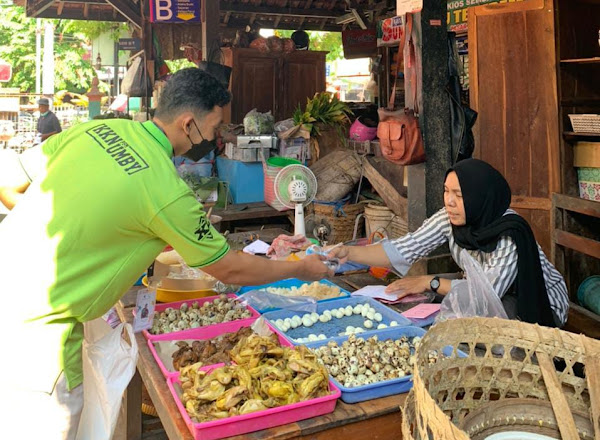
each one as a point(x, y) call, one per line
point(500, 265)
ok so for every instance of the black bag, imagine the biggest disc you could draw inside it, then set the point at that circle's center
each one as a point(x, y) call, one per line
point(140, 87)
point(462, 117)
point(218, 70)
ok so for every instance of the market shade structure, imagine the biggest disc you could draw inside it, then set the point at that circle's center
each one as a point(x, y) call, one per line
point(325, 15)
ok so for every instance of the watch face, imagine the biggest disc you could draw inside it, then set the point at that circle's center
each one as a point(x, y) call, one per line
point(435, 283)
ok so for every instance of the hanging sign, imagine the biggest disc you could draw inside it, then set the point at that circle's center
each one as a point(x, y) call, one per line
point(457, 12)
point(408, 6)
point(359, 43)
point(130, 44)
point(175, 11)
point(5, 71)
point(389, 31)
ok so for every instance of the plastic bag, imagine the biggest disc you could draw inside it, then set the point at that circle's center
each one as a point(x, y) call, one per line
point(256, 123)
point(474, 296)
point(109, 363)
point(263, 300)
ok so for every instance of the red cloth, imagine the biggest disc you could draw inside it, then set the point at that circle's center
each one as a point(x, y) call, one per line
point(284, 245)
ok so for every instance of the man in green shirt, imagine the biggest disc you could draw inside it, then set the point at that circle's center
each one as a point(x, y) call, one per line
point(105, 199)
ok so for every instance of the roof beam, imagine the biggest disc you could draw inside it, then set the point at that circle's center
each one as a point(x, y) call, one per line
point(126, 9)
point(310, 26)
point(358, 13)
point(77, 14)
point(35, 8)
point(269, 10)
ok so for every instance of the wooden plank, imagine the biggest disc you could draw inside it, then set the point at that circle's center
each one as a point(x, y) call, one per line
point(391, 197)
point(210, 31)
point(583, 321)
point(537, 203)
point(576, 204)
point(577, 243)
point(594, 60)
point(133, 403)
point(251, 211)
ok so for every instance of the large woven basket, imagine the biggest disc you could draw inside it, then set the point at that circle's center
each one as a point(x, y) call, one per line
point(341, 221)
point(509, 365)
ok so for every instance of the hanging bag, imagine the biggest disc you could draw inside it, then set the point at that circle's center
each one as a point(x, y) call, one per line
point(218, 70)
point(398, 130)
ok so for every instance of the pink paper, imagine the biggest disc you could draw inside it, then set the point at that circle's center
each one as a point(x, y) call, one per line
point(422, 311)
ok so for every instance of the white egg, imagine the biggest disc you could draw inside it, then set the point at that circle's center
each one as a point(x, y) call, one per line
point(378, 317)
point(364, 312)
point(306, 316)
point(287, 321)
point(358, 309)
point(350, 329)
point(342, 310)
point(381, 326)
point(342, 334)
point(359, 330)
point(307, 321)
point(327, 313)
point(323, 319)
point(368, 323)
point(371, 315)
point(338, 314)
point(321, 337)
point(314, 316)
point(312, 338)
point(279, 323)
point(393, 324)
point(348, 312)
point(296, 318)
point(285, 327)
point(295, 324)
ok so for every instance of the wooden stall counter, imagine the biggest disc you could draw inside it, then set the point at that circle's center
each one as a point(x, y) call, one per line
point(374, 419)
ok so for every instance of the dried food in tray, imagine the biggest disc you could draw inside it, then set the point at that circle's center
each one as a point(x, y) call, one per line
point(325, 328)
point(294, 283)
point(197, 313)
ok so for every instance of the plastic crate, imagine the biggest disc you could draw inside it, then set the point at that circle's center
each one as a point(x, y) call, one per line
point(245, 179)
point(183, 334)
point(289, 283)
point(379, 389)
point(333, 328)
point(256, 421)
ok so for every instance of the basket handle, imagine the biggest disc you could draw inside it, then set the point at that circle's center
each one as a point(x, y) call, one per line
point(562, 412)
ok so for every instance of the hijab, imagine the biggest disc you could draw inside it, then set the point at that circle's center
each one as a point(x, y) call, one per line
point(486, 196)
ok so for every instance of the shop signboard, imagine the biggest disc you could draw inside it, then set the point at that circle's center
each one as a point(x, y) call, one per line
point(130, 44)
point(458, 15)
point(408, 6)
point(359, 43)
point(175, 11)
point(389, 31)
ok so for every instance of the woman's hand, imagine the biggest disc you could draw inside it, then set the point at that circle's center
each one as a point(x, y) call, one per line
point(341, 253)
point(409, 286)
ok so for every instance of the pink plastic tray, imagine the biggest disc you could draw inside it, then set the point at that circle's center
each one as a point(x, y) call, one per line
point(184, 333)
point(202, 333)
point(259, 420)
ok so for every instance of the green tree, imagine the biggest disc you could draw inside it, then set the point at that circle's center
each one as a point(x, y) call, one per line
point(326, 41)
point(17, 46)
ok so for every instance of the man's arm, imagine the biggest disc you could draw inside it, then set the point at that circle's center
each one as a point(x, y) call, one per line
point(47, 135)
point(10, 195)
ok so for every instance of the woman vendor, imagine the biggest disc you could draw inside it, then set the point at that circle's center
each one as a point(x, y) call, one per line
point(476, 217)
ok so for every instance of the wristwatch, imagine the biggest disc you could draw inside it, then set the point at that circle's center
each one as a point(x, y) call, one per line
point(435, 284)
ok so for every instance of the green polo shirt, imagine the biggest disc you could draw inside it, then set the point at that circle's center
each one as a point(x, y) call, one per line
point(106, 202)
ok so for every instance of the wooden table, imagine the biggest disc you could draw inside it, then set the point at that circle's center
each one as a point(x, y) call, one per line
point(374, 419)
point(248, 211)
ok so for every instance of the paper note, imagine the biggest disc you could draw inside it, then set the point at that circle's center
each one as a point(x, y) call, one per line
point(257, 247)
point(376, 292)
point(422, 311)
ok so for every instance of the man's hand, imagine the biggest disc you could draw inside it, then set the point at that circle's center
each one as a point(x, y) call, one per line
point(409, 286)
point(313, 268)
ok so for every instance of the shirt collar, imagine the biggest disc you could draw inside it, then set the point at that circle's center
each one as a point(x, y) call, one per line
point(160, 136)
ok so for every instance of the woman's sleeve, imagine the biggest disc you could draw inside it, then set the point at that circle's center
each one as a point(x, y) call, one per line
point(405, 251)
point(501, 266)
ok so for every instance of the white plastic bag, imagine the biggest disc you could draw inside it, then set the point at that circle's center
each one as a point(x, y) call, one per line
point(109, 363)
point(474, 296)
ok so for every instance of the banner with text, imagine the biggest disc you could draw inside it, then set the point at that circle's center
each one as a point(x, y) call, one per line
point(175, 11)
point(389, 31)
point(457, 12)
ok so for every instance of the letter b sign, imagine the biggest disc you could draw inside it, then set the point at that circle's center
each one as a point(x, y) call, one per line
point(164, 10)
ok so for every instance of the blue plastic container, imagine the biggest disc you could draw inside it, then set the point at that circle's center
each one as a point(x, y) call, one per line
point(588, 293)
point(333, 328)
point(287, 284)
point(379, 389)
point(245, 179)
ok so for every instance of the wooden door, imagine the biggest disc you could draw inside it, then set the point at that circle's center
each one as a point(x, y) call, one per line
point(514, 90)
point(304, 75)
point(255, 83)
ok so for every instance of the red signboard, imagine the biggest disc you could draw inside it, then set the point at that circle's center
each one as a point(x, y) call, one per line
point(5, 71)
point(359, 43)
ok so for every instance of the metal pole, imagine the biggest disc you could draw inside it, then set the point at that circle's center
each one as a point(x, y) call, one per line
point(38, 55)
point(116, 70)
point(48, 67)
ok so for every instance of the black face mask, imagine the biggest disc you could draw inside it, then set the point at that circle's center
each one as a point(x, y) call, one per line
point(198, 151)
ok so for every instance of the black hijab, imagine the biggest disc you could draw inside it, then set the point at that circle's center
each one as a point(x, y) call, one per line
point(486, 196)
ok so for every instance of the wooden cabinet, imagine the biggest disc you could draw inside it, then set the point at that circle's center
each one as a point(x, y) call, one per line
point(513, 88)
point(275, 82)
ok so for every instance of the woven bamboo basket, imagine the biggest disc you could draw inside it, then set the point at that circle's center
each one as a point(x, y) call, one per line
point(341, 221)
point(515, 377)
